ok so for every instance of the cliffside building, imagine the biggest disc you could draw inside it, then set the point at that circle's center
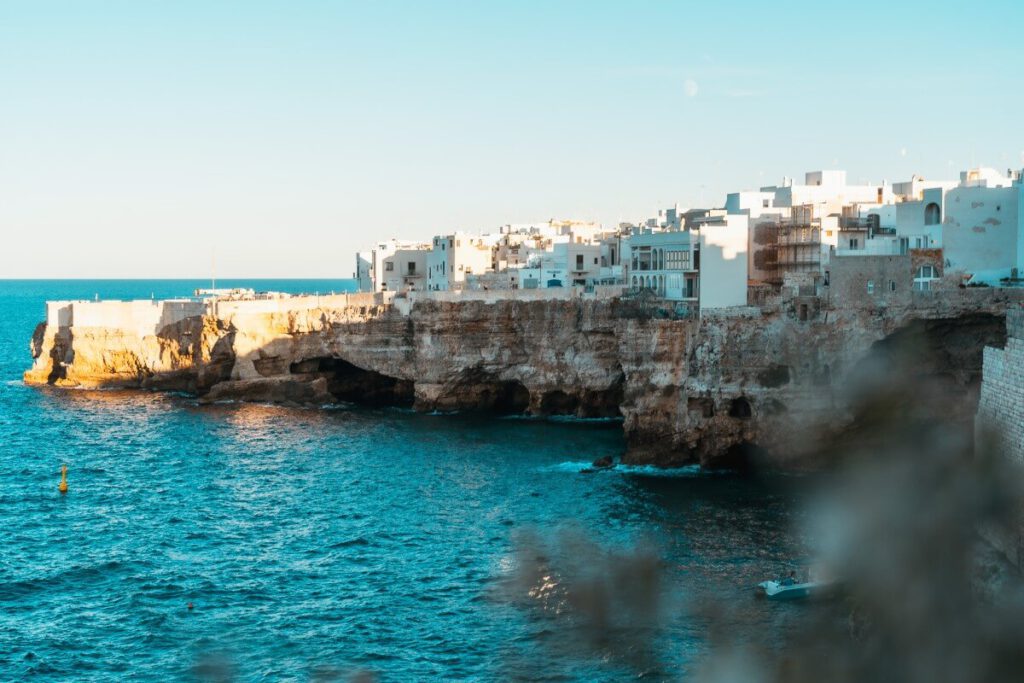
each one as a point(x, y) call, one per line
point(453, 257)
point(703, 267)
point(665, 263)
point(385, 267)
point(977, 223)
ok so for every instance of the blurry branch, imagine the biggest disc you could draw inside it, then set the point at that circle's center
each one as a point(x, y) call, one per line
point(904, 524)
point(597, 602)
point(906, 521)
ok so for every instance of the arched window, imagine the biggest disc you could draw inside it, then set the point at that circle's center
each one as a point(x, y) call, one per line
point(932, 214)
point(634, 283)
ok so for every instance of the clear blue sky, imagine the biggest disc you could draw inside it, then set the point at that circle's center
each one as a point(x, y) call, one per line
point(136, 138)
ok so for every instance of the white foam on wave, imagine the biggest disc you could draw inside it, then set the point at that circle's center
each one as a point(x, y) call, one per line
point(573, 418)
point(15, 383)
point(578, 466)
point(560, 418)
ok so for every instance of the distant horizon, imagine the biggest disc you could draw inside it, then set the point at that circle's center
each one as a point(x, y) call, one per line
point(147, 139)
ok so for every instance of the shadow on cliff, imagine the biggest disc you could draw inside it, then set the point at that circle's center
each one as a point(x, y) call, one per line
point(352, 384)
point(928, 368)
point(927, 372)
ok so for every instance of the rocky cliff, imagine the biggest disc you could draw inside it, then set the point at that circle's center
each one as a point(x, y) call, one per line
point(715, 390)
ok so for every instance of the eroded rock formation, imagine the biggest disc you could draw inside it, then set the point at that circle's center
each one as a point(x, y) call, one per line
point(718, 390)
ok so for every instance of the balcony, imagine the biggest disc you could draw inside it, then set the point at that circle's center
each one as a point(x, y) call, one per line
point(799, 261)
point(799, 238)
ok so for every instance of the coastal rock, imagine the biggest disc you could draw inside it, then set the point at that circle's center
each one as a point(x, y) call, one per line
point(727, 389)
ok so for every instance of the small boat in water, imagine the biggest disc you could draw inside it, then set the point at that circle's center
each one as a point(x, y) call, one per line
point(790, 588)
point(777, 590)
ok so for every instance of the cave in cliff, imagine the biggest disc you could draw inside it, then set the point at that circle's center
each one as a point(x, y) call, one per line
point(478, 390)
point(949, 347)
point(588, 403)
point(926, 372)
point(353, 384)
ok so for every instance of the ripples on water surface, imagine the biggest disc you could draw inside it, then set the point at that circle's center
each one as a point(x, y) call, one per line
point(328, 540)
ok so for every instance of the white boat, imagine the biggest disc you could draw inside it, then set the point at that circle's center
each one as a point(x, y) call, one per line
point(780, 590)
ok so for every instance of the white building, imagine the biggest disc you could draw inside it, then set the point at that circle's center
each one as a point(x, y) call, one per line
point(664, 262)
point(982, 228)
point(454, 256)
point(581, 261)
point(364, 271)
point(723, 260)
point(976, 221)
point(405, 270)
point(370, 268)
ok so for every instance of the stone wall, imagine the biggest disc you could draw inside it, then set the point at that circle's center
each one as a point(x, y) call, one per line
point(1001, 406)
point(1000, 420)
point(143, 317)
point(870, 281)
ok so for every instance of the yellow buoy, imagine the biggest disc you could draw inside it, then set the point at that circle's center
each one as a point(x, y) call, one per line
point(63, 485)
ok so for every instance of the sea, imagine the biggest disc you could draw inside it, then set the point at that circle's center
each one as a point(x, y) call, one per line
point(246, 542)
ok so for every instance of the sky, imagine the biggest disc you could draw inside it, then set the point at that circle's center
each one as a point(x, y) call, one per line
point(146, 139)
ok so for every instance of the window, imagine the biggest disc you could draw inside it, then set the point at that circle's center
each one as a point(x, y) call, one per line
point(764, 203)
point(389, 266)
point(595, 260)
point(579, 261)
point(904, 245)
point(412, 267)
point(677, 260)
point(892, 285)
point(923, 278)
point(932, 214)
point(828, 233)
point(854, 243)
point(871, 286)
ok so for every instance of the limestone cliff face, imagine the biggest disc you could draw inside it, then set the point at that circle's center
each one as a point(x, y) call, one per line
point(710, 390)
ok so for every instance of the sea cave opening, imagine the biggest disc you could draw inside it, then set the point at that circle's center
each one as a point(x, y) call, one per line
point(350, 383)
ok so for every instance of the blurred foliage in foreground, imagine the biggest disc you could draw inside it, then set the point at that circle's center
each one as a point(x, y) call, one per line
point(913, 520)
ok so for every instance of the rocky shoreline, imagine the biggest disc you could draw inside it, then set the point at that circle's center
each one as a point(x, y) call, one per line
point(720, 390)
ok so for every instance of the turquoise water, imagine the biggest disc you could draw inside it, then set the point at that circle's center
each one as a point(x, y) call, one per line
point(321, 542)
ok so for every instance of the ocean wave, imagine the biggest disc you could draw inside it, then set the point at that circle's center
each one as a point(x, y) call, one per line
point(584, 466)
point(74, 576)
point(571, 419)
